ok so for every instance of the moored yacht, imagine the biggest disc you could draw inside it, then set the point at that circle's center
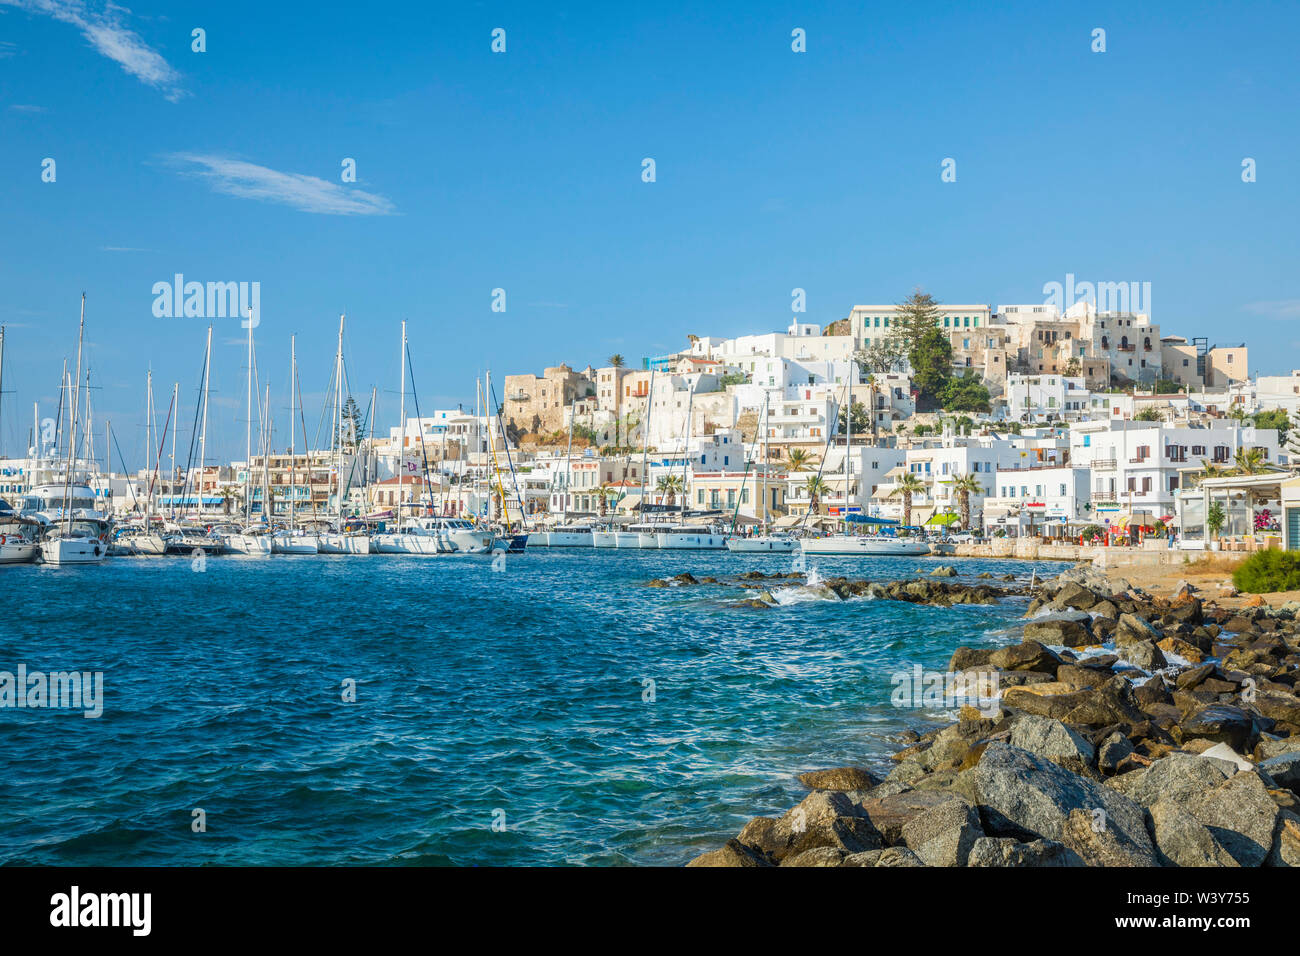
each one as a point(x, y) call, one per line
point(19, 537)
point(563, 536)
point(76, 541)
point(686, 537)
point(871, 544)
point(294, 541)
point(762, 543)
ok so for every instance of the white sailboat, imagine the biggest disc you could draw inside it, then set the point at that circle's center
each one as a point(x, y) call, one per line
point(333, 538)
point(294, 540)
point(859, 544)
point(250, 540)
point(81, 536)
point(763, 542)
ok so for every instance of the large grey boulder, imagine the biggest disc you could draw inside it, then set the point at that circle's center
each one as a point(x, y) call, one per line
point(1028, 797)
point(839, 778)
point(1006, 851)
point(1180, 778)
point(825, 818)
point(1284, 769)
point(1059, 629)
point(1131, 629)
point(1143, 654)
point(734, 853)
point(1242, 817)
point(1182, 840)
point(1054, 740)
point(944, 834)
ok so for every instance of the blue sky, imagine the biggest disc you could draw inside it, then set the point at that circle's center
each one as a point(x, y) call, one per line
point(522, 171)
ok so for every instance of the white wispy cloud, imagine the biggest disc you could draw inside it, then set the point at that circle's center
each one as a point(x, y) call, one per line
point(121, 249)
point(107, 32)
point(26, 108)
point(7, 49)
point(235, 177)
point(1280, 309)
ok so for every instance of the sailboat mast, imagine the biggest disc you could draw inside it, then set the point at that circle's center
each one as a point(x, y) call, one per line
point(645, 441)
point(268, 506)
point(338, 417)
point(203, 435)
point(171, 481)
point(848, 441)
point(568, 458)
point(293, 421)
point(401, 441)
point(248, 432)
point(766, 404)
point(72, 430)
point(2, 384)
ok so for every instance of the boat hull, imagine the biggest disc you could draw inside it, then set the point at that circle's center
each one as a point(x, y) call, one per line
point(421, 544)
point(333, 543)
point(19, 551)
point(253, 544)
point(627, 539)
point(690, 541)
point(467, 541)
point(67, 551)
point(863, 544)
point(604, 539)
point(761, 544)
point(566, 539)
point(296, 544)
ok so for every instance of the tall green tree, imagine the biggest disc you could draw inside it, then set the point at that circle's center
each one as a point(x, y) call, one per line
point(916, 316)
point(931, 362)
point(861, 420)
point(352, 426)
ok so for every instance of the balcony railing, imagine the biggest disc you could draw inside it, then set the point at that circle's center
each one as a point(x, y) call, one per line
point(1104, 464)
point(1104, 498)
point(1127, 348)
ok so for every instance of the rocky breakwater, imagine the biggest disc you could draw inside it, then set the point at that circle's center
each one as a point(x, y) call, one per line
point(916, 591)
point(1131, 731)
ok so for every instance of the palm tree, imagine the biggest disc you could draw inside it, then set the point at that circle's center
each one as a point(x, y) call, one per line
point(603, 494)
point(1249, 461)
point(965, 486)
point(616, 360)
point(799, 459)
point(1208, 470)
point(907, 486)
point(816, 487)
point(669, 485)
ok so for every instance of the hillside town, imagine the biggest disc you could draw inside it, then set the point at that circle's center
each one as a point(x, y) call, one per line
point(1014, 421)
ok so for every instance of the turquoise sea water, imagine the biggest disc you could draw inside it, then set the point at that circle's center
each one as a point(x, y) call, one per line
point(517, 696)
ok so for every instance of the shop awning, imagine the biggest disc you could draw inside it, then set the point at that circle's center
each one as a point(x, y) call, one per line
point(943, 520)
point(788, 521)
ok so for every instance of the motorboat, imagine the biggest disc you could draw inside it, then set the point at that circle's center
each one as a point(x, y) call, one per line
point(564, 536)
point(762, 543)
point(76, 541)
point(19, 537)
point(687, 537)
point(255, 540)
point(866, 544)
point(294, 541)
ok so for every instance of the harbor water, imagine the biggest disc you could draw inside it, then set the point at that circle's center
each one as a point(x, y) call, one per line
point(402, 710)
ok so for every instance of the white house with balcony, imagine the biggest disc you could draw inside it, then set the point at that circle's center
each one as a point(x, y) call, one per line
point(1136, 465)
point(1047, 398)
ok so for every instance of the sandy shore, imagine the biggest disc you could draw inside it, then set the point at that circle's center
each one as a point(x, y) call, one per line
point(1211, 576)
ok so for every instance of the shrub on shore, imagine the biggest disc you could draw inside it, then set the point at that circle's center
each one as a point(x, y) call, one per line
point(1266, 571)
